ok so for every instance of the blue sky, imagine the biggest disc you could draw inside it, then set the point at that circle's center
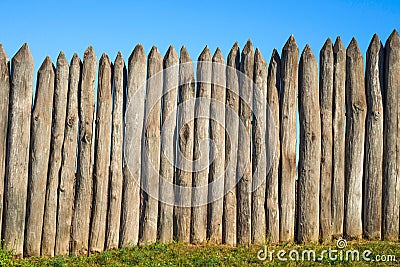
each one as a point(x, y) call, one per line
point(119, 25)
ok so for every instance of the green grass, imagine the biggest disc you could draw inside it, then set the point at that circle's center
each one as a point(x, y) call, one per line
point(177, 254)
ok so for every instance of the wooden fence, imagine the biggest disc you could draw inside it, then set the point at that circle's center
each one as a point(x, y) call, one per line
point(71, 186)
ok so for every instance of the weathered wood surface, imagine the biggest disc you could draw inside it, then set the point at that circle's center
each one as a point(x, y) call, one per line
point(117, 141)
point(17, 162)
point(372, 220)
point(57, 139)
point(356, 109)
point(308, 192)
point(288, 100)
point(68, 163)
point(101, 156)
point(168, 143)
point(338, 151)
point(133, 135)
point(39, 157)
point(185, 146)
point(326, 105)
point(201, 147)
point(217, 150)
point(231, 145)
point(84, 183)
point(259, 162)
point(244, 146)
point(391, 165)
point(151, 151)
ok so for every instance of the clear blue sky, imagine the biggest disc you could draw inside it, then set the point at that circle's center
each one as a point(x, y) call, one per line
point(110, 26)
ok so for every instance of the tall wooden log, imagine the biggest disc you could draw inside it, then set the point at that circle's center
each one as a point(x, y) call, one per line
point(217, 150)
point(326, 105)
point(39, 157)
point(231, 145)
point(372, 221)
point(57, 139)
point(168, 143)
point(17, 162)
point(133, 145)
point(356, 109)
point(185, 146)
point(391, 165)
point(338, 151)
point(288, 101)
point(310, 149)
point(68, 163)
point(244, 146)
point(201, 148)
point(151, 155)
point(117, 139)
point(259, 161)
point(83, 196)
point(102, 156)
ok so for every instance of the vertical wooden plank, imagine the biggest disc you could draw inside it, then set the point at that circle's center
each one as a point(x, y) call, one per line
point(4, 102)
point(217, 150)
point(68, 163)
point(151, 155)
point(373, 141)
point(288, 101)
point(259, 163)
point(39, 157)
point(309, 150)
point(57, 139)
point(244, 156)
point(133, 135)
point(356, 109)
point(17, 162)
point(102, 156)
point(117, 138)
point(201, 148)
point(326, 105)
point(339, 117)
point(231, 145)
point(185, 146)
point(168, 143)
point(83, 196)
point(391, 165)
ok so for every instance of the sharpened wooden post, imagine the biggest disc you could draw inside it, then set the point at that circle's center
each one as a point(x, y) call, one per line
point(151, 151)
point(17, 162)
point(133, 135)
point(356, 109)
point(273, 147)
point(117, 139)
point(101, 156)
point(310, 149)
point(217, 150)
point(201, 148)
point(39, 157)
point(258, 222)
point(326, 105)
point(372, 205)
point(168, 145)
point(185, 146)
point(83, 196)
point(391, 163)
point(231, 145)
point(288, 101)
point(67, 175)
point(57, 139)
point(338, 151)
point(244, 147)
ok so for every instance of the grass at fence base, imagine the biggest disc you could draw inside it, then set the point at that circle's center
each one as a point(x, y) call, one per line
point(177, 254)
